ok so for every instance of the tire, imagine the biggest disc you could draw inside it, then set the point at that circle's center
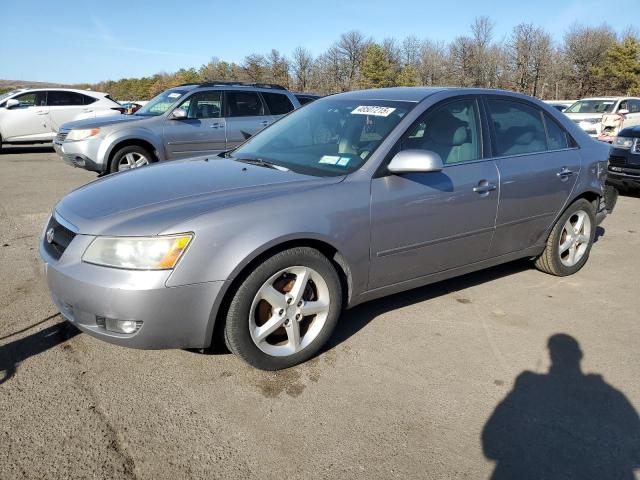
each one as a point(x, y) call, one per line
point(250, 315)
point(558, 263)
point(130, 152)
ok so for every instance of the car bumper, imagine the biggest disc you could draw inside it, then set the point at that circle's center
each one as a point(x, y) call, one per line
point(172, 317)
point(78, 154)
point(623, 179)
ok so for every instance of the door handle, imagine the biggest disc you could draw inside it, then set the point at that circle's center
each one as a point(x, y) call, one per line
point(484, 187)
point(217, 125)
point(564, 173)
point(41, 112)
point(264, 123)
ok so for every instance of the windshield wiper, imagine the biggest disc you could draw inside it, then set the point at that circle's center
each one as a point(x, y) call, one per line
point(262, 163)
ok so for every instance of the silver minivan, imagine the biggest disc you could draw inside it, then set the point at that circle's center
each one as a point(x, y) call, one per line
point(181, 122)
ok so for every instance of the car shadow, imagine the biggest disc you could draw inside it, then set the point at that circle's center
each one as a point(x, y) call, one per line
point(355, 319)
point(16, 149)
point(14, 353)
point(563, 424)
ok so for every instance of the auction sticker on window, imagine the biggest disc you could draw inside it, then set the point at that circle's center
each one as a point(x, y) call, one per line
point(373, 110)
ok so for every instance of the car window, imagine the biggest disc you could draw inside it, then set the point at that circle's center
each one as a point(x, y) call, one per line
point(87, 100)
point(451, 130)
point(244, 104)
point(556, 136)
point(623, 105)
point(304, 99)
point(634, 106)
point(518, 128)
point(32, 99)
point(57, 98)
point(278, 103)
point(592, 106)
point(203, 105)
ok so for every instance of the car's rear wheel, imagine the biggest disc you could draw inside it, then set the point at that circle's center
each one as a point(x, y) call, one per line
point(132, 156)
point(285, 310)
point(570, 241)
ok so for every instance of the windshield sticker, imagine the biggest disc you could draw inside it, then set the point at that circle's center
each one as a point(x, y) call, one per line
point(174, 95)
point(343, 162)
point(329, 159)
point(373, 110)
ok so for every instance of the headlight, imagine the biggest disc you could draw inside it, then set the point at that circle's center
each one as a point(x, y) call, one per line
point(623, 142)
point(82, 133)
point(137, 253)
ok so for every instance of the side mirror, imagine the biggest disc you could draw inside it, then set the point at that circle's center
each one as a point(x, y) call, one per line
point(178, 114)
point(415, 161)
point(12, 102)
point(623, 111)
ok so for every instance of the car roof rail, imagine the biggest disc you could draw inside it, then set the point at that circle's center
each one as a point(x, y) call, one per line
point(243, 84)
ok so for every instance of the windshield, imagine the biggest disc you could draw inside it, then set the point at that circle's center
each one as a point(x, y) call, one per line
point(8, 94)
point(161, 103)
point(328, 137)
point(591, 106)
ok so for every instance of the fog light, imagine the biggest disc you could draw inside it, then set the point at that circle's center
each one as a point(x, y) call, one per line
point(118, 326)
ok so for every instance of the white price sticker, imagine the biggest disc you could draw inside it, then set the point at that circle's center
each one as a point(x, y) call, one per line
point(373, 110)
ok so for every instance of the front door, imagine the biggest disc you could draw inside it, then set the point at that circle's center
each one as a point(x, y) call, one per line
point(424, 223)
point(245, 116)
point(202, 132)
point(538, 170)
point(28, 121)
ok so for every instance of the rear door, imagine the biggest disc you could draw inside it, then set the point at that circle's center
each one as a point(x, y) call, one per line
point(424, 223)
point(538, 165)
point(64, 107)
point(28, 120)
point(245, 115)
point(202, 132)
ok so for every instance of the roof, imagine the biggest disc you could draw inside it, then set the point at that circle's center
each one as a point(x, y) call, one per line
point(407, 94)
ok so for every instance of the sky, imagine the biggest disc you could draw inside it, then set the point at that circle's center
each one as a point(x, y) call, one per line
point(74, 41)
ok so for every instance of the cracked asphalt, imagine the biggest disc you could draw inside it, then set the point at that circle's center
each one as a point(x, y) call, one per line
point(405, 390)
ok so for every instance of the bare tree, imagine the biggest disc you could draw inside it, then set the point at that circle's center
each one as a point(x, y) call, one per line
point(278, 68)
point(585, 48)
point(529, 56)
point(351, 47)
point(302, 63)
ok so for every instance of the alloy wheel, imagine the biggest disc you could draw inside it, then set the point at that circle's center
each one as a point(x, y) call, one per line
point(574, 238)
point(289, 311)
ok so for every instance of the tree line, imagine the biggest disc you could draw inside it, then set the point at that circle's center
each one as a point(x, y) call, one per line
point(587, 61)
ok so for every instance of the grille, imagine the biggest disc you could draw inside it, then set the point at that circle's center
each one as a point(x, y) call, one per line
point(62, 135)
point(62, 237)
point(617, 161)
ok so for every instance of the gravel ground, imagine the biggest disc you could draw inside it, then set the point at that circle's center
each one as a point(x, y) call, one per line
point(442, 382)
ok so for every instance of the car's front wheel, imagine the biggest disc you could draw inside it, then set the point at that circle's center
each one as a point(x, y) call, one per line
point(570, 241)
point(285, 310)
point(126, 158)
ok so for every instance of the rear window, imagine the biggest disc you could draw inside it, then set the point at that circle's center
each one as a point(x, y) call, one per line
point(244, 104)
point(556, 136)
point(304, 99)
point(278, 103)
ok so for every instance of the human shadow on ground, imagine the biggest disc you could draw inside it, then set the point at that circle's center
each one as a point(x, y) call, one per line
point(563, 424)
point(17, 351)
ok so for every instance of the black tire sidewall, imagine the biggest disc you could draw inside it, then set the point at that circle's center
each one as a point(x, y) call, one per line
point(587, 207)
point(237, 333)
point(115, 160)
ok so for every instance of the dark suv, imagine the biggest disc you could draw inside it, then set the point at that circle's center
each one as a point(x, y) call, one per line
point(624, 160)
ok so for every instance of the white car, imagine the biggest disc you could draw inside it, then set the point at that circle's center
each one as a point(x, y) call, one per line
point(587, 113)
point(34, 115)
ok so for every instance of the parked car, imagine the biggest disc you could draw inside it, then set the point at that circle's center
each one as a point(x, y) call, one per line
point(305, 98)
point(353, 197)
point(183, 121)
point(588, 112)
point(34, 115)
point(628, 115)
point(560, 105)
point(131, 107)
point(624, 160)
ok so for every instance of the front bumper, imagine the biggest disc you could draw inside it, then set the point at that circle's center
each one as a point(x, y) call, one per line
point(172, 317)
point(78, 154)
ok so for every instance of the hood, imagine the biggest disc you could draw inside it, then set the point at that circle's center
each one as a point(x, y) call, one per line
point(149, 200)
point(578, 117)
point(102, 121)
